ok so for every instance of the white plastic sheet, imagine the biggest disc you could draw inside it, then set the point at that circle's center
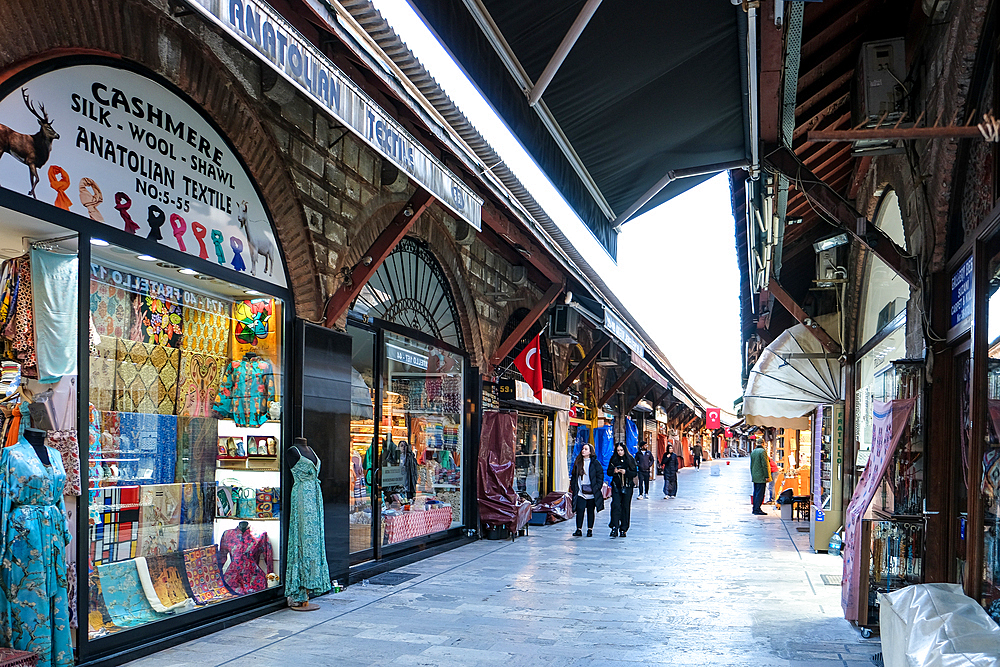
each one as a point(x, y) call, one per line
point(936, 625)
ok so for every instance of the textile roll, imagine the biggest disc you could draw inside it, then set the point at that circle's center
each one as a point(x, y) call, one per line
point(164, 583)
point(204, 577)
point(123, 595)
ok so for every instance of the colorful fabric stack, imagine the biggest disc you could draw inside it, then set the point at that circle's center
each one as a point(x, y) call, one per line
point(159, 519)
point(114, 524)
point(146, 378)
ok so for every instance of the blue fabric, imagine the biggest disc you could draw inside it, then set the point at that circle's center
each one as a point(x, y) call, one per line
point(151, 440)
point(54, 294)
point(631, 436)
point(582, 438)
point(604, 444)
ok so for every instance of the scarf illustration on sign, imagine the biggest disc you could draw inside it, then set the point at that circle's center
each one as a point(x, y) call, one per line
point(34, 608)
point(202, 568)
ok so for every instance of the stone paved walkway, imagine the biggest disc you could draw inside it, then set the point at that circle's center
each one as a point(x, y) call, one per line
point(698, 581)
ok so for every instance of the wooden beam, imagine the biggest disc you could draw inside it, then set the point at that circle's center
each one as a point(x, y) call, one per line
point(585, 364)
point(641, 395)
point(864, 164)
point(523, 244)
point(529, 321)
point(843, 215)
point(622, 379)
point(889, 132)
point(354, 282)
point(828, 343)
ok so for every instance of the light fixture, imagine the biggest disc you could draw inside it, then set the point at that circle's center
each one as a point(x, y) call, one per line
point(832, 242)
point(146, 258)
point(167, 265)
point(252, 292)
point(187, 272)
point(99, 242)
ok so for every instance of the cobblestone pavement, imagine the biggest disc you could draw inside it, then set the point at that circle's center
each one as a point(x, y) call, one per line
point(698, 581)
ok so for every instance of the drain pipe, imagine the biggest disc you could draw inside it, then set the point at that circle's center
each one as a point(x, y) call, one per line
point(753, 81)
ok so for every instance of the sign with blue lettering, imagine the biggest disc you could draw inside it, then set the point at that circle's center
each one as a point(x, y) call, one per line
point(961, 293)
point(280, 45)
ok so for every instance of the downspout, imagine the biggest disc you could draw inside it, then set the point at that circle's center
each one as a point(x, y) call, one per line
point(754, 81)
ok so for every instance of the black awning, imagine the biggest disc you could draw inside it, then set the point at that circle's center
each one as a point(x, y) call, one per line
point(651, 86)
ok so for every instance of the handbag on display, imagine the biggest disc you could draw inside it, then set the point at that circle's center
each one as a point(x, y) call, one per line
point(266, 507)
point(246, 502)
point(225, 501)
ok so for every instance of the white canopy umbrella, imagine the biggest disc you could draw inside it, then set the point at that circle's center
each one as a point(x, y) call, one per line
point(793, 375)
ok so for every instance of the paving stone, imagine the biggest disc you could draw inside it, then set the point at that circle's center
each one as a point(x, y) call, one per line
point(698, 581)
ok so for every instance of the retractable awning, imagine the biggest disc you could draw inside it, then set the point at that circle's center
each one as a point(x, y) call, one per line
point(793, 375)
point(614, 99)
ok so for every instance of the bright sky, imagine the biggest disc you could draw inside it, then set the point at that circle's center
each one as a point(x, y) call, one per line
point(677, 271)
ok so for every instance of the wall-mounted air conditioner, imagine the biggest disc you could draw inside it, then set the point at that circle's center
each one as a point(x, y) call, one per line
point(564, 323)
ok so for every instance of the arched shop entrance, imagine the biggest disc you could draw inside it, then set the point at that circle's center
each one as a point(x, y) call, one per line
point(410, 416)
point(157, 371)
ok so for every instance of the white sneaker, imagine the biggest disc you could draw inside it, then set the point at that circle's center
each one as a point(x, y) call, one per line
point(665, 497)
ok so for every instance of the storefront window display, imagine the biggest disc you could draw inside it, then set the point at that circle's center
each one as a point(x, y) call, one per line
point(185, 441)
point(990, 458)
point(363, 437)
point(529, 458)
point(421, 452)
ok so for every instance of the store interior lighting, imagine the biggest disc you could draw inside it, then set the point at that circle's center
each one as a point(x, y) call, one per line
point(832, 242)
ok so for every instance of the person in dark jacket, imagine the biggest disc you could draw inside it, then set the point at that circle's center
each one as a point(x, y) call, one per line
point(623, 471)
point(585, 483)
point(668, 466)
point(644, 460)
point(696, 453)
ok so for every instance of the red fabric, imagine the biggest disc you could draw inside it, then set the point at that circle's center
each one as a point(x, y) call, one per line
point(498, 502)
point(529, 362)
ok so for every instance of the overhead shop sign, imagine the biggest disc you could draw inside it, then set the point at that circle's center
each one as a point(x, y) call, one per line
point(619, 330)
point(123, 150)
point(265, 32)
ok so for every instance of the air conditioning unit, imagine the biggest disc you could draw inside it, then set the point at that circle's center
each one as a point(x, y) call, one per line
point(880, 92)
point(611, 355)
point(564, 322)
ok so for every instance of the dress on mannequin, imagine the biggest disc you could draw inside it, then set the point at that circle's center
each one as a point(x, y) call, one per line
point(34, 609)
point(307, 572)
point(245, 550)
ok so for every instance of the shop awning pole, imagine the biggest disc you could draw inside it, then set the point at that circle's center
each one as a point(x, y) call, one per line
point(370, 261)
point(575, 30)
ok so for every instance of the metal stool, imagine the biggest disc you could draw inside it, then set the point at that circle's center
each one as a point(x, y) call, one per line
point(800, 508)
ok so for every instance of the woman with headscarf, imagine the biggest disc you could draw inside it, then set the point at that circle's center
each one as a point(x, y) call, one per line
point(585, 484)
point(668, 466)
point(623, 473)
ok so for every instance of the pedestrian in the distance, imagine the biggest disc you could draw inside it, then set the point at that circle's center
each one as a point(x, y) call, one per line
point(760, 472)
point(644, 461)
point(585, 484)
point(623, 472)
point(668, 466)
point(696, 452)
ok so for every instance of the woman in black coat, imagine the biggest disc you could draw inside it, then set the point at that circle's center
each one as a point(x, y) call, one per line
point(585, 483)
point(668, 466)
point(623, 472)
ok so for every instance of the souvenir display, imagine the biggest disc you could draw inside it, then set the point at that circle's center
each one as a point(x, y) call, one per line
point(232, 447)
point(204, 577)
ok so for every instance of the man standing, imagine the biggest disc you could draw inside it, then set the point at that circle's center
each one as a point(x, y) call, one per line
point(759, 472)
point(644, 460)
point(696, 453)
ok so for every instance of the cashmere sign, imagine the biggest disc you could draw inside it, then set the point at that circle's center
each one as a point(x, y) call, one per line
point(888, 423)
point(124, 151)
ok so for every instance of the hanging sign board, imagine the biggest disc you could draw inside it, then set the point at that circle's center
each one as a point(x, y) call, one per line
point(284, 49)
point(619, 330)
point(961, 293)
point(110, 144)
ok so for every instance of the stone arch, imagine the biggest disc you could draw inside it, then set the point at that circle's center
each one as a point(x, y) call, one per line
point(432, 230)
point(179, 51)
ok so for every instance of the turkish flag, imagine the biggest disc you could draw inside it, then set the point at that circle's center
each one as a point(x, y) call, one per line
point(529, 362)
point(712, 419)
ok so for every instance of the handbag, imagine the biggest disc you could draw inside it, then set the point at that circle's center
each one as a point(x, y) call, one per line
point(246, 502)
point(225, 501)
point(586, 489)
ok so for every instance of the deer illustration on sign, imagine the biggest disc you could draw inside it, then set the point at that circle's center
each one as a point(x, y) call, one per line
point(257, 241)
point(31, 149)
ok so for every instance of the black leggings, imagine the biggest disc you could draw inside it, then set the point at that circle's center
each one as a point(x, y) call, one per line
point(579, 506)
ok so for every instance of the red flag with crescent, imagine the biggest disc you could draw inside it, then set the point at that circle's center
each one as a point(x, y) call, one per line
point(529, 362)
point(713, 418)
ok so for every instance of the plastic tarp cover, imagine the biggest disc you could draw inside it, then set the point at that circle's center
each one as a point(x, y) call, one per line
point(557, 505)
point(560, 466)
point(498, 502)
point(936, 625)
point(605, 446)
point(631, 436)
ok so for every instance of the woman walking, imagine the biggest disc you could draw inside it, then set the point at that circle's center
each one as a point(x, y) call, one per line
point(668, 465)
point(585, 485)
point(623, 472)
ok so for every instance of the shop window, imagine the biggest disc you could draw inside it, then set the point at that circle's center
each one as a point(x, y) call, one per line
point(186, 392)
point(989, 459)
point(422, 431)
point(363, 438)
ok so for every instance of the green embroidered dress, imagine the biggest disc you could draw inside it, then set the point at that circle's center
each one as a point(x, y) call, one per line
point(307, 573)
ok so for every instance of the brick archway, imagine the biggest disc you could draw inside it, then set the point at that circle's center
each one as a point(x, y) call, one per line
point(146, 35)
point(430, 229)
